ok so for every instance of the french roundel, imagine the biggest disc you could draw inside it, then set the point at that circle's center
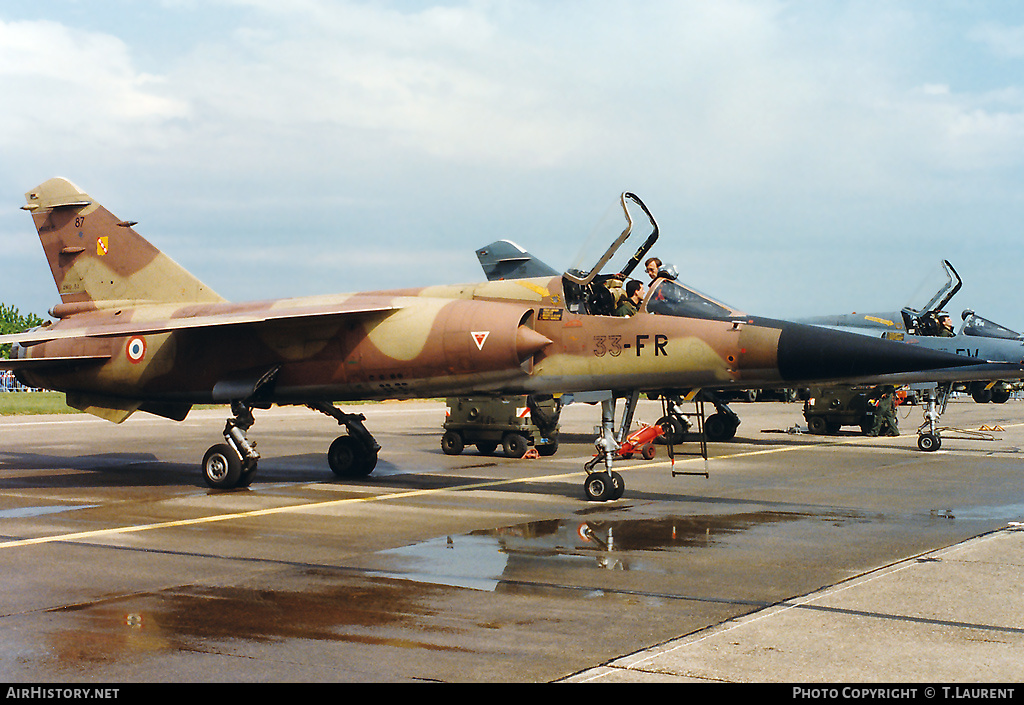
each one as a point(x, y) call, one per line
point(135, 350)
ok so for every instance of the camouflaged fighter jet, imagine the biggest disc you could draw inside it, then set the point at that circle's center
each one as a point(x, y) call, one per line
point(135, 332)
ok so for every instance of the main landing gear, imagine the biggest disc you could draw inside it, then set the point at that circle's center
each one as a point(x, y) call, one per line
point(233, 463)
point(354, 455)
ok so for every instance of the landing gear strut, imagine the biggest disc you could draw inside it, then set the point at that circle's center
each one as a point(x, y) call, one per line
point(722, 425)
point(232, 464)
point(354, 455)
point(608, 484)
point(928, 438)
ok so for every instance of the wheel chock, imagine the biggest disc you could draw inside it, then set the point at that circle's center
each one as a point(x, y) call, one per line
point(531, 453)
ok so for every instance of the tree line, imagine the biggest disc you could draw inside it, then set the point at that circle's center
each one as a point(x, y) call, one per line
point(11, 321)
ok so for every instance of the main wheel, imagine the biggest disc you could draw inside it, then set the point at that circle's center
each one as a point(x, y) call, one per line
point(719, 427)
point(674, 430)
point(452, 443)
point(515, 445)
point(349, 458)
point(929, 442)
point(222, 468)
point(598, 487)
point(548, 449)
point(248, 475)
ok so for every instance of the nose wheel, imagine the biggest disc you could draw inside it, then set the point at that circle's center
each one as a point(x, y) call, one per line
point(928, 438)
point(603, 486)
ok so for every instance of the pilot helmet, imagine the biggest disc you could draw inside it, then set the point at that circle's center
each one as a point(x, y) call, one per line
point(668, 271)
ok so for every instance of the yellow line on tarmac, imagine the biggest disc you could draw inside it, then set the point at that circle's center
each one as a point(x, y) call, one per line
point(97, 533)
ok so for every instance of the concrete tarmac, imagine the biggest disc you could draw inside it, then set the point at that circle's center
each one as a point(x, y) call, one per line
point(952, 616)
point(796, 559)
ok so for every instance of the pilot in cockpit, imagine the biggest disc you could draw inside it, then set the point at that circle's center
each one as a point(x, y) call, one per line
point(945, 325)
point(630, 303)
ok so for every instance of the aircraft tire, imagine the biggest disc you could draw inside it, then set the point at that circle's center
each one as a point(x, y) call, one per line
point(452, 443)
point(515, 445)
point(548, 449)
point(618, 486)
point(598, 487)
point(222, 468)
point(248, 475)
point(486, 447)
point(675, 432)
point(349, 458)
point(718, 427)
point(929, 442)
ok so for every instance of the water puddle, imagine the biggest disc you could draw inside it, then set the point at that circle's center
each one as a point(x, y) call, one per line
point(25, 512)
point(319, 607)
point(1010, 512)
point(487, 559)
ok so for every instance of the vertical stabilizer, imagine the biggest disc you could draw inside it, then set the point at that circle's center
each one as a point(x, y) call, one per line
point(96, 257)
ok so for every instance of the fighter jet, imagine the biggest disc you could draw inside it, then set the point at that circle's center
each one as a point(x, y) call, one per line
point(134, 332)
point(930, 327)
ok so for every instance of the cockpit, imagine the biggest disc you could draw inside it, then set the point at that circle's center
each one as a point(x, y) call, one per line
point(598, 289)
point(928, 321)
point(983, 328)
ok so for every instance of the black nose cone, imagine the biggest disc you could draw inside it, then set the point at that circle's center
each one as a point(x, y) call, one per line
point(813, 353)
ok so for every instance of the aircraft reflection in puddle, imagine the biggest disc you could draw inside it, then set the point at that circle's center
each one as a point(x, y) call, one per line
point(487, 559)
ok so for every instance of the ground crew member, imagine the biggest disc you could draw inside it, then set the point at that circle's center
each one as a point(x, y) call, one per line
point(631, 302)
point(885, 414)
point(652, 265)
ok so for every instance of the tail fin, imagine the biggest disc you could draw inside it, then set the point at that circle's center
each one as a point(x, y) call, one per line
point(97, 258)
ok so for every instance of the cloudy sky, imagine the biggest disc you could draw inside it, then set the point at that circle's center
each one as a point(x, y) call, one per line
point(801, 157)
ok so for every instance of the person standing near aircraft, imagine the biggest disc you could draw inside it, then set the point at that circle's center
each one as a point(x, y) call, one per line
point(652, 265)
point(885, 414)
